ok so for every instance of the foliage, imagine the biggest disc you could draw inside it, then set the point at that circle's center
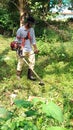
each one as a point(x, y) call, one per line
point(8, 22)
point(56, 128)
point(22, 103)
point(35, 111)
point(53, 111)
point(10, 13)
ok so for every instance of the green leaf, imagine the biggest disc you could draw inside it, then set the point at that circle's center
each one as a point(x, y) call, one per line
point(4, 114)
point(56, 128)
point(23, 103)
point(52, 110)
point(31, 113)
point(30, 126)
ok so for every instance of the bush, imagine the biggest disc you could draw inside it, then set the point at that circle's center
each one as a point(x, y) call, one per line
point(8, 22)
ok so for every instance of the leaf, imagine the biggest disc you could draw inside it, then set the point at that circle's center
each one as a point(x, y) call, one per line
point(52, 110)
point(56, 128)
point(4, 114)
point(31, 113)
point(23, 103)
point(30, 126)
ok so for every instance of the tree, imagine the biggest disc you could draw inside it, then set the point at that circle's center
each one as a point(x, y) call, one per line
point(22, 10)
point(71, 3)
point(16, 5)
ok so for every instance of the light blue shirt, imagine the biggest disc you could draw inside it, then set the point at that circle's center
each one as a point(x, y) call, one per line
point(22, 33)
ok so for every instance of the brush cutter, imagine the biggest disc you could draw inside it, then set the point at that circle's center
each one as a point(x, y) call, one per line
point(20, 54)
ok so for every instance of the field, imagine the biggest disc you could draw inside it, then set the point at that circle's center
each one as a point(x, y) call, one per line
point(54, 64)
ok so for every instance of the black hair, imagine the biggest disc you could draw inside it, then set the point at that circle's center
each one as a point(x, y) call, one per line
point(30, 20)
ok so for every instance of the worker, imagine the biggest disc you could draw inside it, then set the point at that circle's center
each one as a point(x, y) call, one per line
point(25, 38)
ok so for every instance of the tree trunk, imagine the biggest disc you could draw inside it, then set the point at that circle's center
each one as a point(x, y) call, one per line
point(22, 11)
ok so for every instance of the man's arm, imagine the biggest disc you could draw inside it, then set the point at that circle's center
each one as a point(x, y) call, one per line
point(35, 49)
point(33, 41)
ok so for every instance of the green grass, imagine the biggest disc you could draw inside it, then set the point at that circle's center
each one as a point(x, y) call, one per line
point(54, 65)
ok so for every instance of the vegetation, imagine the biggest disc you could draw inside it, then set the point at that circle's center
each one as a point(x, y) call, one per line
point(24, 104)
point(13, 13)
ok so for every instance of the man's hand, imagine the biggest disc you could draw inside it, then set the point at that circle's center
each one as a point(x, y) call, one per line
point(36, 51)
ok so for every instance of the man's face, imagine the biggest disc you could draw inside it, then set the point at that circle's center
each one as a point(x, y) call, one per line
point(30, 24)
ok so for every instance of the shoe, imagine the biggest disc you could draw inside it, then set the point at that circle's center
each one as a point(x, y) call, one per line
point(30, 75)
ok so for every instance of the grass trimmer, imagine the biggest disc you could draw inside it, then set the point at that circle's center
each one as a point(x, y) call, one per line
point(41, 82)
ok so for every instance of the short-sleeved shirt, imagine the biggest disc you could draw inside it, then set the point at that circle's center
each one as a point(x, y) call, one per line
point(22, 33)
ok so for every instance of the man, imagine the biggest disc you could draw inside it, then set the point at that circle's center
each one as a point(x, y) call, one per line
point(26, 40)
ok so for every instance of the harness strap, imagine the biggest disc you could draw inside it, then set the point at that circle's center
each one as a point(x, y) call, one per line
point(24, 39)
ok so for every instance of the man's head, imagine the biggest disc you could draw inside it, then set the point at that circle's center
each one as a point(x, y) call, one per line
point(30, 21)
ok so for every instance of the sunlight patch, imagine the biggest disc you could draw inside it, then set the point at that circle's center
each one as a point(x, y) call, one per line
point(7, 58)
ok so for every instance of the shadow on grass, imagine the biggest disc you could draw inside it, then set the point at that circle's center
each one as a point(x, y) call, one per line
point(65, 69)
point(43, 61)
point(46, 60)
point(5, 69)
